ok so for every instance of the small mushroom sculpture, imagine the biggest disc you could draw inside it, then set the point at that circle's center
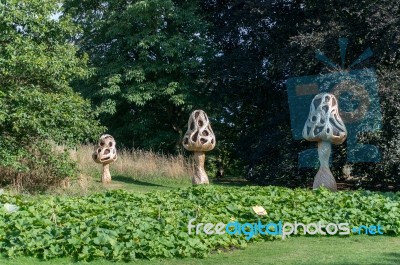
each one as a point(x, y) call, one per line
point(105, 153)
point(324, 126)
point(199, 138)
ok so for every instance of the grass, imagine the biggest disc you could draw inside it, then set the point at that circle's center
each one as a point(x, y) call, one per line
point(141, 171)
point(355, 250)
point(137, 171)
point(137, 164)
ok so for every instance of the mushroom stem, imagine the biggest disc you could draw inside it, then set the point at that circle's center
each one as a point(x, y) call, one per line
point(106, 177)
point(324, 152)
point(324, 175)
point(200, 175)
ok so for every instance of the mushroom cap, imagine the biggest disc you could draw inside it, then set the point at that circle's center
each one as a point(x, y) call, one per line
point(199, 136)
point(106, 151)
point(324, 122)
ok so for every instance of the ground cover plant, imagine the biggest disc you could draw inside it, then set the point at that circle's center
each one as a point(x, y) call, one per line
point(360, 250)
point(119, 225)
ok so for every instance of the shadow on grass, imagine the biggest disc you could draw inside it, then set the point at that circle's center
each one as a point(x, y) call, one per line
point(231, 182)
point(393, 258)
point(128, 180)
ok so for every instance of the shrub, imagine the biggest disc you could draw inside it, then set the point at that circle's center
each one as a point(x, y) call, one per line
point(37, 104)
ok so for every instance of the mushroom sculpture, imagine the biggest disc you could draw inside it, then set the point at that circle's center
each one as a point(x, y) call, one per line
point(324, 126)
point(199, 138)
point(105, 153)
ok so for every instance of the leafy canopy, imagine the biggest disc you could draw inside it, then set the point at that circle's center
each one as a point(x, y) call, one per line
point(263, 43)
point(37, 105)
point(147, 58)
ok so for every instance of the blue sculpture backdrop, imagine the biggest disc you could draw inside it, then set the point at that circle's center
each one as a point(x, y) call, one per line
point(357, 93)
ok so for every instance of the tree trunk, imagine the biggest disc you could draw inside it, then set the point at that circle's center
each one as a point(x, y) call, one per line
point(200, 175)
point(106, 178)
point(324, 175)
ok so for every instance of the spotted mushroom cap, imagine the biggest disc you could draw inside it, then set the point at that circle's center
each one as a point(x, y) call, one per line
point(324, 122)
point(199, 136)
point(106, 151)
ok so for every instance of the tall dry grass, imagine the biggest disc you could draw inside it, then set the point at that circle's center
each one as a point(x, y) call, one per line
point(137, 164)
point(131, 167)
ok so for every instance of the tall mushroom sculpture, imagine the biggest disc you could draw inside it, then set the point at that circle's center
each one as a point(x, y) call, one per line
point(324, 126)
point(105, 153)
point(199, 138)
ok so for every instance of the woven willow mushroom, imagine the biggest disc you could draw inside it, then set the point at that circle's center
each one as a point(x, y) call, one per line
point(105, 153)
point(199, 138)
point(324, 126)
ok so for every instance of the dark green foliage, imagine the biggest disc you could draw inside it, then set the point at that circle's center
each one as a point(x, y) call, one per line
point(147, 58)
point(118, 225)
point(370, 24)
point(247, 81)
point(153, 61)
point(37, 106)
point(263, 43)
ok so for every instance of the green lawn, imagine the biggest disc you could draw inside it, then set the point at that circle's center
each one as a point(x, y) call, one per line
point(354, 250)
point(148, 185)
point(143, 185)
point(357, 250)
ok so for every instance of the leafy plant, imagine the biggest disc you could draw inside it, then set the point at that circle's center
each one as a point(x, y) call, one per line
point(147, 59)
point(37, 62)
point(118, 225)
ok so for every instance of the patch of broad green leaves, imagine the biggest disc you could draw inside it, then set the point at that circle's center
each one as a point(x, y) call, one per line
point(118, 225)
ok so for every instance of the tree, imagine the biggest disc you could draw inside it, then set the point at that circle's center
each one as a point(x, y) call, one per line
point(247, 83)
point(147, 60)
point(263, 43)
point(38, 107)
point(367, 24)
